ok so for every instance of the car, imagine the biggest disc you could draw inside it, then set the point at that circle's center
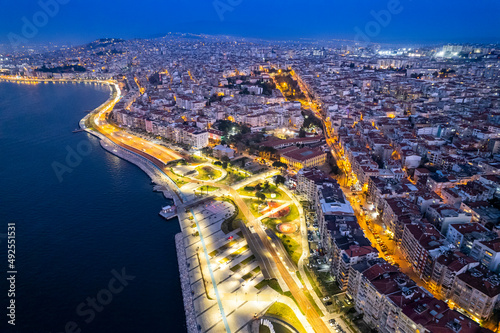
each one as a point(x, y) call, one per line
point(331, 320)
point(326, 298)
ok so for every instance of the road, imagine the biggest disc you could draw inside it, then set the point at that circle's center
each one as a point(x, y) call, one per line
point(125, 140)
point(160, 155)
point(285, 271)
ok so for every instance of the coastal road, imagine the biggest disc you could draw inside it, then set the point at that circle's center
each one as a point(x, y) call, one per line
point(125, 140)
point(160, 155)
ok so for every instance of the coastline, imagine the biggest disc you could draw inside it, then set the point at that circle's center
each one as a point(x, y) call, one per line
point(159, 177)
point(154, 173)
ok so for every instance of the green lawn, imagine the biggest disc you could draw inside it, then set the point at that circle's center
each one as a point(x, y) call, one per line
point(292, 246)
point(176, 178)
point(325, 282)
point(232, 222)
point(284, 312)
point(233, 177)
point(235, 268)
point(272, 189)
point(206, 188)
point(316, 307)
point(292, 215)
point(253, 205)
point(313, 283)
point(249, 275)
point(247, 260)
point(207, 173)
point(300, 277)
point(270, 223)
point(273, 283)
point(197, 160)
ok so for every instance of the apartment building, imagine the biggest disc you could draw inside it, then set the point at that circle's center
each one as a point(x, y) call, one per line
point(477, 291)
point(421, 245)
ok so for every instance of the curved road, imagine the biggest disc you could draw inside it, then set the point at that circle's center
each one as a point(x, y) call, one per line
point(160, 156)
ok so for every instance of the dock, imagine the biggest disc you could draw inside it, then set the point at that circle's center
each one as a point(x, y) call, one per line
point(168, 212)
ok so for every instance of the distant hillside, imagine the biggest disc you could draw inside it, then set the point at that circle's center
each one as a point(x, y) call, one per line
point(103, 42)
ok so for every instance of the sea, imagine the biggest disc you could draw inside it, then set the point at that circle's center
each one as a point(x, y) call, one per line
point(91, 254)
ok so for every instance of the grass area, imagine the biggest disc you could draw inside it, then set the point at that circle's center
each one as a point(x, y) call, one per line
point(273, 283)
point(324, 282)
point(239, 251)
point(313, 283)
point(292, 246)
point(284, 312)
point(233, 177)
point(250, 190)
point(300, 278)
point(196, 160)
point(348, 323)
point(226, 246)
point(249, 275)
point(247, 260)
point(213, 253)
point(235, 268)
point(316, 307)
point(223, 260)
point(292, 215)
point(253, 205)
point(206, 188)
point(289, 294)
point(207, 173)
point(232, 222)
point(176, 178)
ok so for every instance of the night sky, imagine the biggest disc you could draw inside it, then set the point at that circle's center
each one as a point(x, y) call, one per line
point(417, 21)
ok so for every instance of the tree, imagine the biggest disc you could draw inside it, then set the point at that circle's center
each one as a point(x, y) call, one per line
point(224, 159)
point(279, 179)
point(219, 163)
point(224, 165)
point(279, 164)
point(207, 150)
point(261, 196)
point(258, 187)
point(266, 185)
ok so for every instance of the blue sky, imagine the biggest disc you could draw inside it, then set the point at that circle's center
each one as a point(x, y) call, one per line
point(417, 21)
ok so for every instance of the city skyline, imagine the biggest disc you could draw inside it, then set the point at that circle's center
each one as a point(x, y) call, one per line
point(407, 22)
point(319, 168)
